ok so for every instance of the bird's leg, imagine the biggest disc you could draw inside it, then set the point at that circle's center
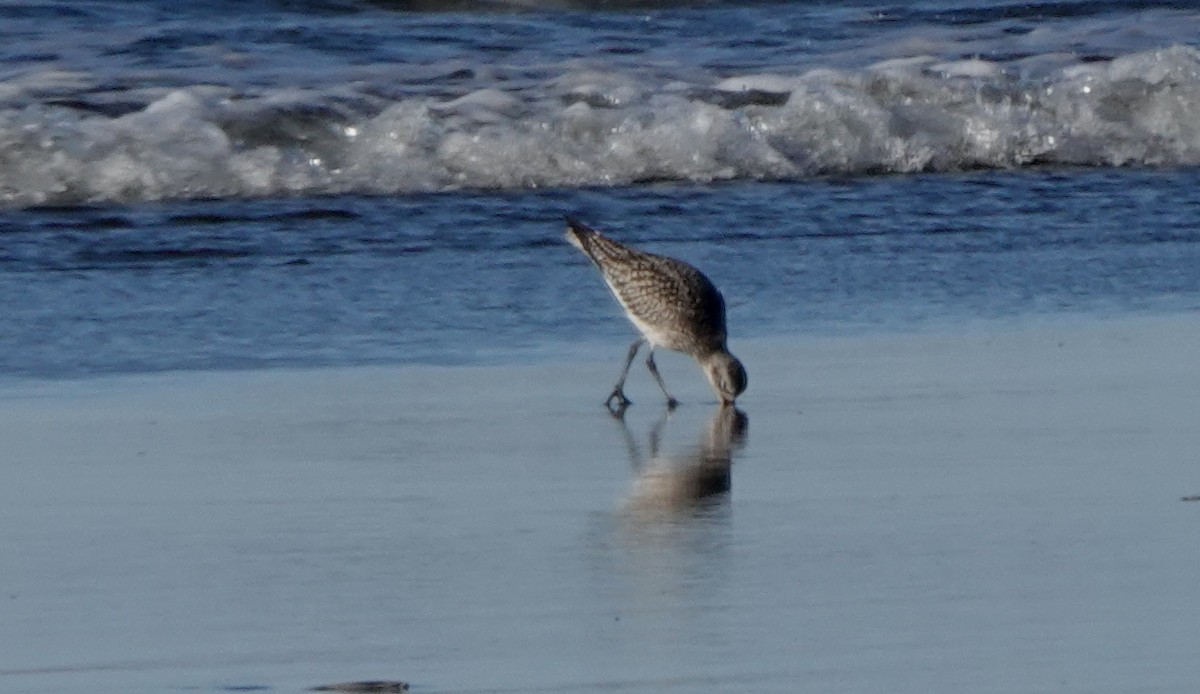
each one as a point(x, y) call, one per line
point(618, 392)
point(672, 403)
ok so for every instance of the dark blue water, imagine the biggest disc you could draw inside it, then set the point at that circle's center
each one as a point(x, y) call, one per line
point(223, 186)
point(451, 278)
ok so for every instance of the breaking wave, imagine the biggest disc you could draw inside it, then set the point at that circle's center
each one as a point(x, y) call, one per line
point(594, 128)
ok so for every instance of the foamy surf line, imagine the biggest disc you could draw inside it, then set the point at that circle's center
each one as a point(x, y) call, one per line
point(587, 128)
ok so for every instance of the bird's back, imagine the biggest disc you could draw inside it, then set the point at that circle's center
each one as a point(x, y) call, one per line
point(671, 302)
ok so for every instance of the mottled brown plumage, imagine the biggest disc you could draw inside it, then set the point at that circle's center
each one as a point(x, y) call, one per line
point(672, 304)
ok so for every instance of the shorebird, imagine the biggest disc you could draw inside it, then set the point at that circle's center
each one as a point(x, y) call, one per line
point(672, 304)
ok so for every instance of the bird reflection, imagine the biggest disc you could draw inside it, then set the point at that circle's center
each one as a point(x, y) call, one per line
point(695, 479)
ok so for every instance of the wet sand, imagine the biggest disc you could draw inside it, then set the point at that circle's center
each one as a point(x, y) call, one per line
point(988, 508)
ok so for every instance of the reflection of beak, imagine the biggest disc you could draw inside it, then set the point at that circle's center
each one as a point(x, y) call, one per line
point(727, 428)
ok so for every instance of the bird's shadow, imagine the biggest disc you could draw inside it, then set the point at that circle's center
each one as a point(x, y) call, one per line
point(695, 478)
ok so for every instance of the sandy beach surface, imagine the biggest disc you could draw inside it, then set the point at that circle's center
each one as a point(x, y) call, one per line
point(998, 507)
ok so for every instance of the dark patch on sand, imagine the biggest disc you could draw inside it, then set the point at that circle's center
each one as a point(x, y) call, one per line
point(371, 686)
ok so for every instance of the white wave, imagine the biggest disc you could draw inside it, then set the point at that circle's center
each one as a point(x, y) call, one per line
point(587, 128)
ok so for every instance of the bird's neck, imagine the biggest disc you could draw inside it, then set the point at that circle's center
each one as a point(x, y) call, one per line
point(707, 352)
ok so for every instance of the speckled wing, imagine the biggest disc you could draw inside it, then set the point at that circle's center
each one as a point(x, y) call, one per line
point(672, 303)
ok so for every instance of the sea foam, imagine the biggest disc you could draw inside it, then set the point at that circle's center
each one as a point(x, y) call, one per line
point(586, 128)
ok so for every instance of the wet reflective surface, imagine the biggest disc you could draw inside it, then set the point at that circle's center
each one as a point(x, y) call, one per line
point(909, 512)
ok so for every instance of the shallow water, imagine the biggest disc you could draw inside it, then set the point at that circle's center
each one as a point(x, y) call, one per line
point(479, 277)
point(990, 510)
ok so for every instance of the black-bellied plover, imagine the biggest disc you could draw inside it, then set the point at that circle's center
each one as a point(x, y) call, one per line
point(672, 304)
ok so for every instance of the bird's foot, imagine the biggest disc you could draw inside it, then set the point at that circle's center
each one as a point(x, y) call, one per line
point(617, 402)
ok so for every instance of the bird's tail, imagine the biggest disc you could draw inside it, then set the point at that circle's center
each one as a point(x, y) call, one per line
point(580, 235)
point(596, 246)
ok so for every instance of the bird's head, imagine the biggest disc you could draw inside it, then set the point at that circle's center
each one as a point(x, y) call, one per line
point(726, 374)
